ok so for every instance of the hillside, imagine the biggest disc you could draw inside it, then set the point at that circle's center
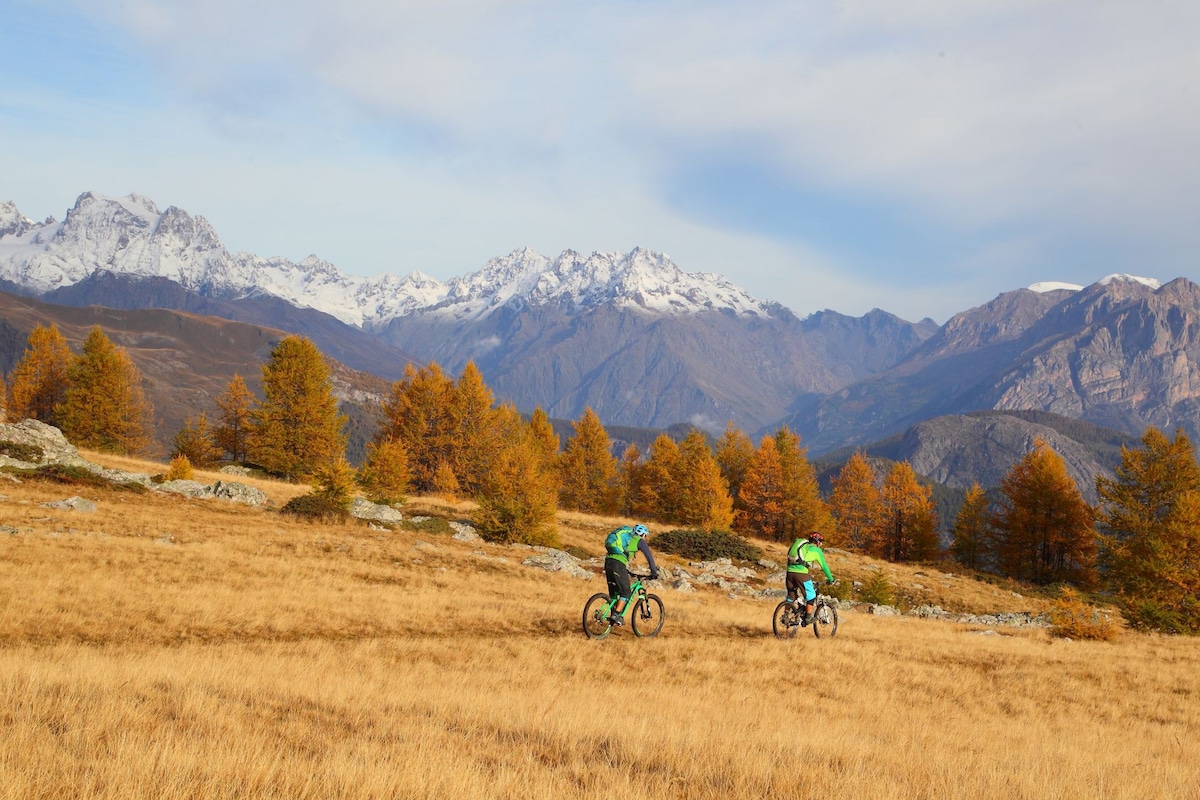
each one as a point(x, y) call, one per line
point(187, 359)
point(166, 648)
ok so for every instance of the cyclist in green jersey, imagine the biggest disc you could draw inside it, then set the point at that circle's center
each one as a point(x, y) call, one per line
point(801, 555)
point(620, 546)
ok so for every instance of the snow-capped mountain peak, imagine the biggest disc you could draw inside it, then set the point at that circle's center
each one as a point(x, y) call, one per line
point(130, 235)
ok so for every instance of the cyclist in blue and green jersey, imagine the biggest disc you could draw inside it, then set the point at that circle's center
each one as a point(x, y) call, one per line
point(620, 546)
point(801, 555)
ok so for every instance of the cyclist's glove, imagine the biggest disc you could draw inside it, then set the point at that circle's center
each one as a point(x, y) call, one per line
point(654, 575)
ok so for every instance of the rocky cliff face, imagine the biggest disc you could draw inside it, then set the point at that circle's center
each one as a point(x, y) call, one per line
point(1120, 353)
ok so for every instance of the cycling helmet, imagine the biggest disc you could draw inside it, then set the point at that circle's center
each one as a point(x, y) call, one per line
point(816, 538)
point(640, 530)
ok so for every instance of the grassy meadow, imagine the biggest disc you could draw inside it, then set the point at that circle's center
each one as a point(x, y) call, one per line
point(161, 647)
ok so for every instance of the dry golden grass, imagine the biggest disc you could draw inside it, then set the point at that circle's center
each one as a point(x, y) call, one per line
point(166, 648)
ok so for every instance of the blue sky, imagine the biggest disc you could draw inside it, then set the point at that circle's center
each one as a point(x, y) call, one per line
point(919, 157)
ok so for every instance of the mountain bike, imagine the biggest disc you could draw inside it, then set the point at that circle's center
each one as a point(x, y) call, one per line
point(647, 616)
point(788, 617)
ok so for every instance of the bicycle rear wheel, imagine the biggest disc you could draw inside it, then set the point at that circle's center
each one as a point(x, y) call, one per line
point(648, 616)
point(784, 621)
point(825, 620)
point(595, 616)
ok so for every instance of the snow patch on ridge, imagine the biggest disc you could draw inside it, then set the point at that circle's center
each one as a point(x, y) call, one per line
point(1117, 277)
point(1053, 286)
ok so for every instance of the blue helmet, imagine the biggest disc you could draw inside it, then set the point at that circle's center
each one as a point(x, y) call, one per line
point(641, 530)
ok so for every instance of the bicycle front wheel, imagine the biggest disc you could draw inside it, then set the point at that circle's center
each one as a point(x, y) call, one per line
point(784, 622)
point(824, 621)
point(648, 616)
point(595, 616)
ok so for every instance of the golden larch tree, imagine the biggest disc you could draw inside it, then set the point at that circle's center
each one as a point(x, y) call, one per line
point(763, 493)
point(733, 453)
point(702, 496)
point(104, 407)
point(196, 442)
point(658, 495)
point(39, 380)
point(856, 504)
point(544, 436)
point(232, 430)
point(516, 502)
point(296, 429)
point(419, 413)
point(1044, 528)
point(1150, 526)
point(971, 542)
point(384, 474)
point(587, 468)
point(631, 476)
point(804, 509)
point(475, 439)
point(909, 520)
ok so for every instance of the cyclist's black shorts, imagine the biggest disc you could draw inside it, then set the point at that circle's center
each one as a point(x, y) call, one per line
point(618, 578)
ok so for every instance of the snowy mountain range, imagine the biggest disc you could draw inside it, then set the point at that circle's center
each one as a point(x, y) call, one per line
point(630, 335)
point(131, 236)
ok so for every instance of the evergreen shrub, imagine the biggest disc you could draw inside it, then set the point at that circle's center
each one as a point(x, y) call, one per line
point(698, 545)
point(877, 590)
point(31, 453)
point(428, 525)
point(316, 506)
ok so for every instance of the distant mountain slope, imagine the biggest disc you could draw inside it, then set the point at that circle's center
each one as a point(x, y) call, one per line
point(187, 360)
point(1120, 353)
point(646, 370)
point(351, 346)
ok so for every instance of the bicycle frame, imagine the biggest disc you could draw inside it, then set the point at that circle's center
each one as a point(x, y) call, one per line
point(636, 591)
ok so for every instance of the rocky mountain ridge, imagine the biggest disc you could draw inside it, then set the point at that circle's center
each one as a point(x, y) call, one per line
point(130, 235)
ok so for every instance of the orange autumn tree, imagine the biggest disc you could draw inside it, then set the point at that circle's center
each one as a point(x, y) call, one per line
point(232, 431)
point(857, 505)
point(971, 543)
point(418, 412)
point(631, 472)
point(297, 429)
point(196, 443)
point(475, 436)
point(909, 522)
point(516, 501)
point(1150, 521)
point(658, 494)
point(734, 450)
point(104, 407)
point(804, 509)
point(587, 468)
point(763, 493)
point(1044, 528)
point(384, 475)
point(702, 496)
point(39, 380)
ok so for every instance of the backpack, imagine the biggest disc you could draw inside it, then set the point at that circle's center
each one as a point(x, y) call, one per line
point(613, 544)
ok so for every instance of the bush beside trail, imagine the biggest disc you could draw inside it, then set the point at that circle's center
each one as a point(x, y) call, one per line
point(705, 545)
